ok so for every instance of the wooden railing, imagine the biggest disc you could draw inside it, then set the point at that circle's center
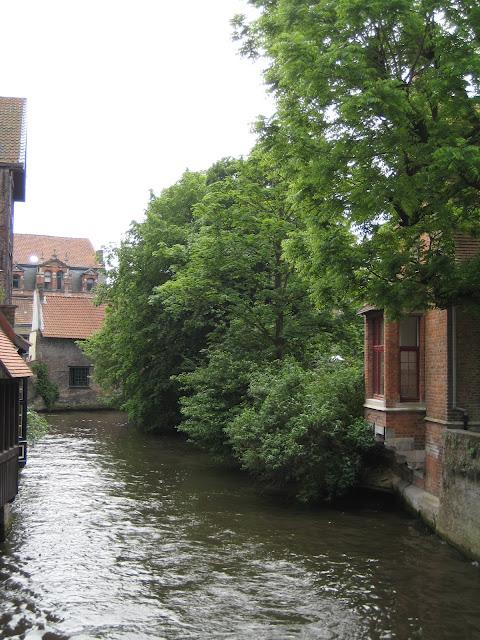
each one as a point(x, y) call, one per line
point(9, 436)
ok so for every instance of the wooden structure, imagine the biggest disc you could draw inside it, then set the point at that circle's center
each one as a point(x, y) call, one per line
point(14, 374)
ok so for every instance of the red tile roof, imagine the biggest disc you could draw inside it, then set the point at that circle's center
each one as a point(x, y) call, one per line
point(12, 131)
point(76, 252)
point(71, 317)
point(13, 364)
point(23, 312)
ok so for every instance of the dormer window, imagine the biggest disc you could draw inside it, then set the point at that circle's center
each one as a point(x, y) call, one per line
point(16, 281)
point(47, 279)
point(90, 284)
point(59, 280)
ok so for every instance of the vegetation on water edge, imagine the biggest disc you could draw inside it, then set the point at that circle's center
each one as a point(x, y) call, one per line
point(37, 426)
point(45, 388)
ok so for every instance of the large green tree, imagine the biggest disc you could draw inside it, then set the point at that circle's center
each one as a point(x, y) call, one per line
point(264, 324)
point(140, 347)
point(378, 109)
point(206, 312)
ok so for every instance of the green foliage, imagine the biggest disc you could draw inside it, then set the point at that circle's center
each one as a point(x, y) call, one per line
point(203, 301)
point(301, 428)
point(45, 388)
point(37, 426)
point(141, 346)
point(378, 110)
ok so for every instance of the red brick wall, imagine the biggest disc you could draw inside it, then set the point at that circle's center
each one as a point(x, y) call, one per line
point(468, 361)
point(400, 424)
point(434, 444)
point(436, 364)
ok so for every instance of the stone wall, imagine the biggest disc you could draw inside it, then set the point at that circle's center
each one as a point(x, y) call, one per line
point(459, 514)
point(60, 354)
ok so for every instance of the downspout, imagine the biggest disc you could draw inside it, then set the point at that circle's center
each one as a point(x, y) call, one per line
point(455, 407)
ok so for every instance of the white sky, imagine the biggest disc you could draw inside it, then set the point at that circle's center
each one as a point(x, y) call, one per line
point(123, 96)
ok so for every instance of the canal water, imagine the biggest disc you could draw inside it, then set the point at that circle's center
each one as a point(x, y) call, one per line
point(119, 535)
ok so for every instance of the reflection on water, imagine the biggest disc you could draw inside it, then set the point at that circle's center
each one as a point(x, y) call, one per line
point(119, 535)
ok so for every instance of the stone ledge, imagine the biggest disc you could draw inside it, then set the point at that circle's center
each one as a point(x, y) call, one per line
point(378, 405)
point(424, 504)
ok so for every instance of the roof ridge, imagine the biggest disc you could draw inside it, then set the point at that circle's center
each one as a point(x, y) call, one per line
point(46, 235)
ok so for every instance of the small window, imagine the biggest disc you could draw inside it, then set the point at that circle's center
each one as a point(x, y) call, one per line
point(79, 376)
point(409, 358)
point(59, 280)
point(90, 284)
point(16, 282)
point(47, 279)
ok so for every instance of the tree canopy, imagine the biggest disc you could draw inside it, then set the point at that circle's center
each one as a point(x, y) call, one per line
point(204, 303)
point(378, 108)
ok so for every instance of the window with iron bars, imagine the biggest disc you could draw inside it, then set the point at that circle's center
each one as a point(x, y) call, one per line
point(79, 377)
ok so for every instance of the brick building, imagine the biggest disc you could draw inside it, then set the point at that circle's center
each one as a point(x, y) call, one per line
point(14, 373)
point(422, 377)
point(53, 281)
point(58, 265)
point(59, 322)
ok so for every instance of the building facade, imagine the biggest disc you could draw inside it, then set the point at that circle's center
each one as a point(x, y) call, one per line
point(56, 265)
point(14, 373)
point(59, 324)
point(422, 398)
point(53, 288)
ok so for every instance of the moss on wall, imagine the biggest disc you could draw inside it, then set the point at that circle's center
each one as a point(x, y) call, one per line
point(459, 515)
point(462, 454)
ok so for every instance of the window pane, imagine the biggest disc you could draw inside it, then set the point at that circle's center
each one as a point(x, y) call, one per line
point(381, 373)
point(409, 374)
point(409, 332)
point(79, 376)
point(378, 331)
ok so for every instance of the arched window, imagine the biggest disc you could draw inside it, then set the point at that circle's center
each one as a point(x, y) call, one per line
point(90, 283)
point(59, 280)
point(47, 279)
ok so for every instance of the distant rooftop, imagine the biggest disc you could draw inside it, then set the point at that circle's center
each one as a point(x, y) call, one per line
point(75, 252)
point(71, 317)
point(23, 312)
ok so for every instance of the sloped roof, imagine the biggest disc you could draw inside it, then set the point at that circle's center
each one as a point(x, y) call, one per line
point(13, 131)
point(76, 252)
point(73, 317)
point(23, 312)
point(13, 364)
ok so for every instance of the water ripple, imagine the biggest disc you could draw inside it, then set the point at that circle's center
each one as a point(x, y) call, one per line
point(119, 536)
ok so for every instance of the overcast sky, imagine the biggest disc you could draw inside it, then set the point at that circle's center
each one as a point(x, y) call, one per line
point(123, 95)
